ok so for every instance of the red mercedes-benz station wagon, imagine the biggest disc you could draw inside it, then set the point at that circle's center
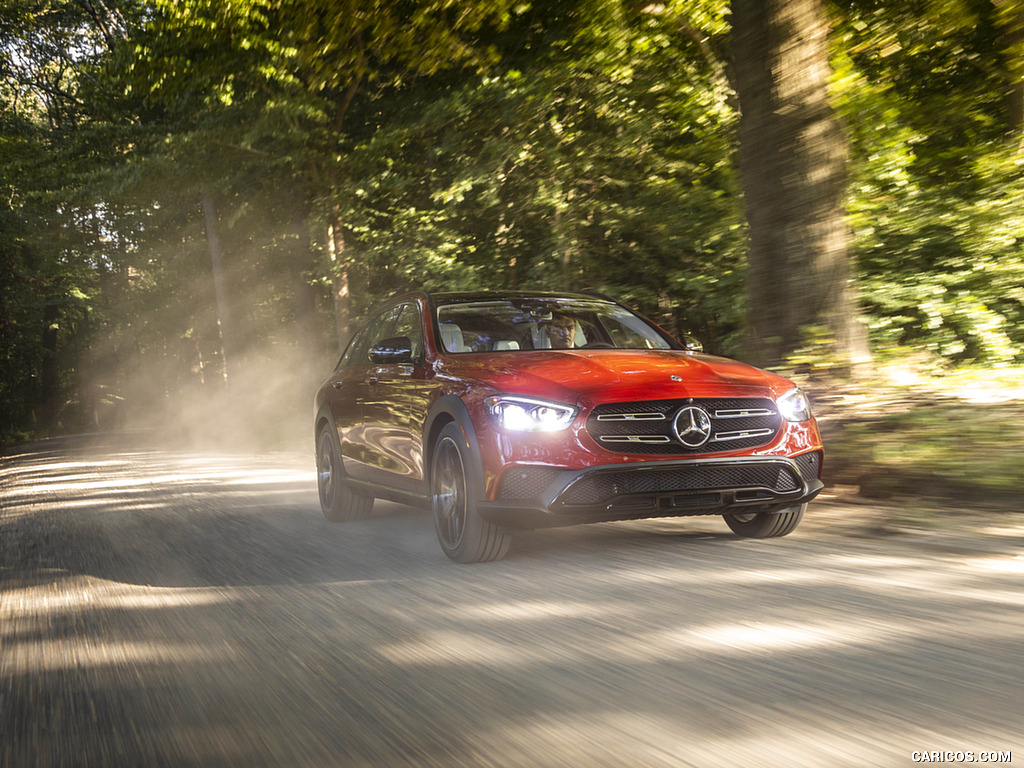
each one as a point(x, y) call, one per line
point(509, 411)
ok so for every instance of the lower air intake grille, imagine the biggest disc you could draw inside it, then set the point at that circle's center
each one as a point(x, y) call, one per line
point(526, 482)
point(603, 487)
point(810, 465)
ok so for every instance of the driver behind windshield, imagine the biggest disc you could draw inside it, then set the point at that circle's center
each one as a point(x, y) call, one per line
point(561, 331)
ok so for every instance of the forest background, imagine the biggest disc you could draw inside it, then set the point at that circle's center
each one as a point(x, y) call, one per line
point(200, 197)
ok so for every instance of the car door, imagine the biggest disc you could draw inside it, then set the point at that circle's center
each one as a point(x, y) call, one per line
point(395, 406)
point(348, 392)
point(342, 397)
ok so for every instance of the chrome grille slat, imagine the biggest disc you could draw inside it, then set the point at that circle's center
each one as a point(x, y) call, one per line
point(722, 437)
point(742, 414)
point(654, 416)
point(636, 439)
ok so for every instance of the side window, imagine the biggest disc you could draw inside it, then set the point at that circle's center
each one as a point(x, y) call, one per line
point(382, 327)
point(410, 324)
point(358, 341)
point(630, 332)
point(378, 328)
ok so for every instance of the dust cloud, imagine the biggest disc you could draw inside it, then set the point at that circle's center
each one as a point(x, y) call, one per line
point(265, 404)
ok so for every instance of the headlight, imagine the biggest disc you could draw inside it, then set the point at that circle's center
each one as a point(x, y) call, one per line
point(526, 414)
point(794, 405)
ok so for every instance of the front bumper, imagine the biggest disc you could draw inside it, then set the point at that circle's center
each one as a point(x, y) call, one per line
point(541, 497)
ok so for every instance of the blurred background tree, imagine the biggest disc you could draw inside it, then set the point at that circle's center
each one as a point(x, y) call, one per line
point(931, 94)
point(793, 160)
point(199, 193)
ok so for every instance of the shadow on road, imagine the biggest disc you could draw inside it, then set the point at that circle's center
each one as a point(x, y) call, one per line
point(136, 515)
point(180, 609)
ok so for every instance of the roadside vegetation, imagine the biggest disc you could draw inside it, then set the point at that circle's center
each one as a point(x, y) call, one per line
point(913, 430)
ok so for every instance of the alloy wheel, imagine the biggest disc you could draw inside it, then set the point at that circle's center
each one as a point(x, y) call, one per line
point(325, 470)
point(449, 493)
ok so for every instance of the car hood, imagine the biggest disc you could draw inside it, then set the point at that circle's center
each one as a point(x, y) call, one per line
point(620, 375)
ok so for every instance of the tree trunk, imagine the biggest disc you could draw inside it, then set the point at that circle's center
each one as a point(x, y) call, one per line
point(793, 158)
point(224, 326)
point(335, 234)
point(88, 393)
point(306, 330)
point(49, 380)
point(339, 278)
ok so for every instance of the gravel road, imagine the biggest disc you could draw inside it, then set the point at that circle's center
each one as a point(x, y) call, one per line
point(162, 608)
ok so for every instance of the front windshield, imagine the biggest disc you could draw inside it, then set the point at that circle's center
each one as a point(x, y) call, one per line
point(509, 325)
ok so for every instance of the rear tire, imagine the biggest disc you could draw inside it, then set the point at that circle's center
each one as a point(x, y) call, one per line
point(465, 536)
point(338, 503)
point(765, 525)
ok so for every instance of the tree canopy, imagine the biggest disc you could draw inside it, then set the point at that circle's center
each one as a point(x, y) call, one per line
point(195, 189)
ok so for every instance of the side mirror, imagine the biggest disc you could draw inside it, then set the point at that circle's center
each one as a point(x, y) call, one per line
point(691, 344)
point(397, 349)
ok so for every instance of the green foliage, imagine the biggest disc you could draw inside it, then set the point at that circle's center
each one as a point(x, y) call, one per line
point(581, 144)
point(603, 161)
point(937, 184)
point(54, 247)
point(17, 322)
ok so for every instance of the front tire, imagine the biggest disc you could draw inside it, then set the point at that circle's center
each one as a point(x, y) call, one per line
point(465, 536)
point(338, 503)
point(765, 525)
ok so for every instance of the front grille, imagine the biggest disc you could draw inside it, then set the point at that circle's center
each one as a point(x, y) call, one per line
point(526, 482)
point(648, 426)
point(602, 487)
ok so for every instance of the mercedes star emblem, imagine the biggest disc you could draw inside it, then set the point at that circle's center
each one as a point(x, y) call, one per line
point(692, 426)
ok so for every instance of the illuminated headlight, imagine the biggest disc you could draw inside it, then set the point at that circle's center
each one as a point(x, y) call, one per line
point(794, 405)
point(525, 414)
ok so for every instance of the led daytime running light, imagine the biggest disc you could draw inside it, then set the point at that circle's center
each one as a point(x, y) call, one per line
point(525, 414)
point(794, 405)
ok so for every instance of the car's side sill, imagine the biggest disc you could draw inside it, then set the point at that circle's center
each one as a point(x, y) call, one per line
point(387, 493)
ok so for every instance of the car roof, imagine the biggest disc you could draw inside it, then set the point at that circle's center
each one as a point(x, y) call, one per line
point(461, 296)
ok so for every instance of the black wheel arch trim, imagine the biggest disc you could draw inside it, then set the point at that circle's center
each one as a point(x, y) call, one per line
point(323, 414)
point(446, 409)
